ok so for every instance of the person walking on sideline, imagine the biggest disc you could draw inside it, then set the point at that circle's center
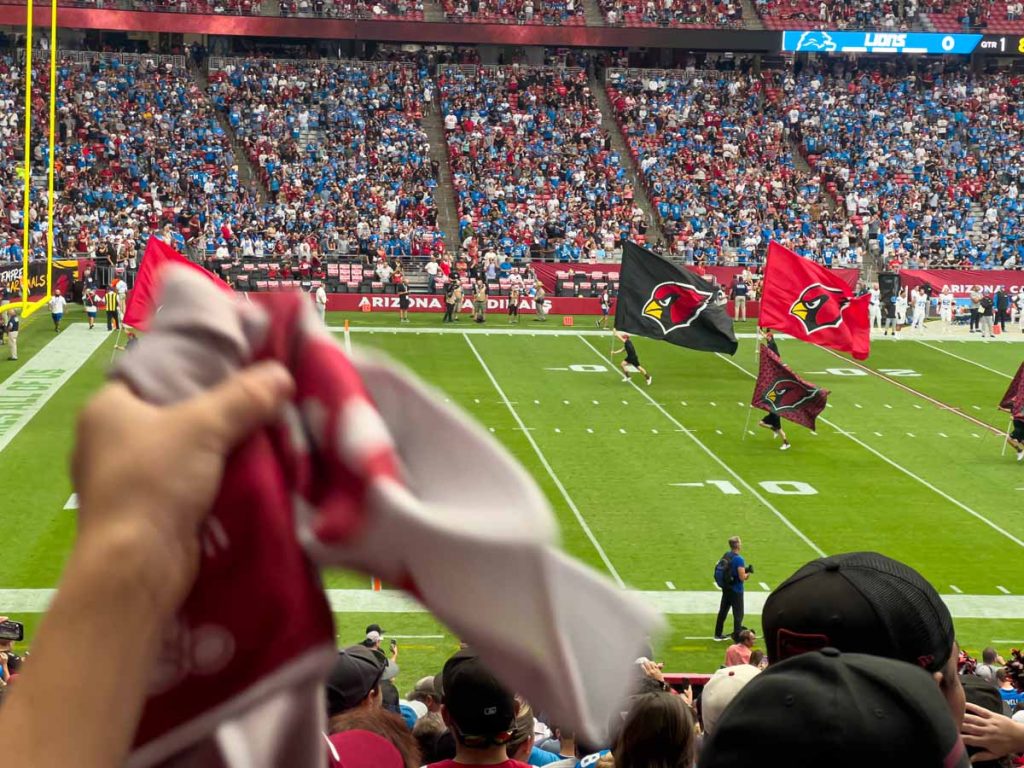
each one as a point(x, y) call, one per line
point(403, 299)
point(606, 303)
point(11, 325)
point(975, 297)
point(875, 307)
point(730, 573)
point(89, 300)
point(110, 301)
point(321, 303)
point(449, 302)
point(480, 301)
point(986, 307)
point(57, 306)
point(514, 295)
point(740, 289)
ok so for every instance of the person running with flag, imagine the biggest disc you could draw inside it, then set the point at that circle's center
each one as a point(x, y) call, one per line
point(632, 363)
point(1013, 404)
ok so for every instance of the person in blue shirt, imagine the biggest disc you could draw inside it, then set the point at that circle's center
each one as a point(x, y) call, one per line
point(732, 593)
point(1009, 693)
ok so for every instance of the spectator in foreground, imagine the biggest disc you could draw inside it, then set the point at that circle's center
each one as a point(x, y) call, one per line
point(846, 709)
point(720, 690)
point(990, 664)
point(864, 602)
point(480, 713)
point(134, 560)
point(985, 694)
point(355, 680)
point(740, 651)
point(382, 723)
point(658, 732)
point(426, 692)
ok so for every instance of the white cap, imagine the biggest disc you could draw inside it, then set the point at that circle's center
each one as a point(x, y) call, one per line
point(721, 690)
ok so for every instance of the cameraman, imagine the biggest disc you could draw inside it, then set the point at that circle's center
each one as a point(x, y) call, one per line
point(732, 593)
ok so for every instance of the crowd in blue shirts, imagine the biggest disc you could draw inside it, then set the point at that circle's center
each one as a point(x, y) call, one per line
point(716, 163)
point(533, 169)
point(931, 158)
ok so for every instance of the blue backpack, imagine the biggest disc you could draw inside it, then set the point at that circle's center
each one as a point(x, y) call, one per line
point(725, 577)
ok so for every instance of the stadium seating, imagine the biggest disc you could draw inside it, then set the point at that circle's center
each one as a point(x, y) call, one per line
point(532, 167)
point(561, 12)
point(340, 150)
point(816, 14)
point(693, 14)
point(712, 152)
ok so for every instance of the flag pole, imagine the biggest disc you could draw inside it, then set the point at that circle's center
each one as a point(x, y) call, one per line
point(1009, 427)
point(757, 365)
point(117, 342)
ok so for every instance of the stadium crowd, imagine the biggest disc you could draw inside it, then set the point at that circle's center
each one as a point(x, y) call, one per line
point(716, 162)
point(533, 170)
point(918, 166)
point(341, 152)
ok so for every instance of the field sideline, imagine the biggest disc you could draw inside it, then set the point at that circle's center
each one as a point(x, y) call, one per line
point(649, 482)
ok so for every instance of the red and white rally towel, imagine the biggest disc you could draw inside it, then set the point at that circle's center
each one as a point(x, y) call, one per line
point(369, 470)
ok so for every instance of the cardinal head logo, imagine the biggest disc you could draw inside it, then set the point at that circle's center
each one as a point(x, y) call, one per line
point(787, 394)
point(819, 307)
point(676, 305)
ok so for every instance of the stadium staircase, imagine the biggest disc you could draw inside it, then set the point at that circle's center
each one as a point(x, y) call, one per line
point(444, 197)
point(654, 234)
point(592, 14)
point(750, 18)
point(247, 177)
point(432, 11)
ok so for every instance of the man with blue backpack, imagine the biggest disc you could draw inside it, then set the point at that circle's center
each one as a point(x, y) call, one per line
point(730, 573)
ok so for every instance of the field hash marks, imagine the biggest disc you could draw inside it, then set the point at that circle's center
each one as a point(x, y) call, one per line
point(547, 466)
point(753, 491)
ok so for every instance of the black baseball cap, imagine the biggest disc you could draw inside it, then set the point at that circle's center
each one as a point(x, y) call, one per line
point(356, 672)
point(851, 709)
point(374, 628)
point(479, 705)
point(859, 602)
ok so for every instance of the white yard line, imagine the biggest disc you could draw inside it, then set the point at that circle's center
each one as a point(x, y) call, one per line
point(901, 468)
point(15, 601)
point(547, 467)
point(24, 393)
point(753, 491)
point(972, 362)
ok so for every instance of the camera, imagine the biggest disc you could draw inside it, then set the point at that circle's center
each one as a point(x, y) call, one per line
point(750, 569)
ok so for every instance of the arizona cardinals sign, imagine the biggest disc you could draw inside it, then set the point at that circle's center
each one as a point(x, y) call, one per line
point(809, 302)
point(780, 391)
point(662, 301)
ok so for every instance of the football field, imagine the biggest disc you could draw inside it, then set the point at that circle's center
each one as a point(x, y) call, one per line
point(648, 483)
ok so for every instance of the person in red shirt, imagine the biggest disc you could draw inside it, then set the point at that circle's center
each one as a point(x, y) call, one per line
point(480, 713)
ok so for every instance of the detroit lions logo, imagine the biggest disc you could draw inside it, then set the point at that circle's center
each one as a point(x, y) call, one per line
point(816, 40)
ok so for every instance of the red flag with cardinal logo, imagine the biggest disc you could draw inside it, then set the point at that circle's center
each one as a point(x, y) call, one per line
point(780, 391)
point(141, 303)
point(809, 302)
point(1013, 400)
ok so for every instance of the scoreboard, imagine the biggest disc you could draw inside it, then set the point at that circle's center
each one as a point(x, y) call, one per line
point(1001, 45)
point(928, 43)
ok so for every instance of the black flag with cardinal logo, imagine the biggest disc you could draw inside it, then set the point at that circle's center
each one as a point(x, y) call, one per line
point(780, 391)
point(662, 301)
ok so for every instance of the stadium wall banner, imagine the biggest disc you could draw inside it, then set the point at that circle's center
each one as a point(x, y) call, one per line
point(65, 272)
point(378, 302)
point(723, 275)
point(962, 282)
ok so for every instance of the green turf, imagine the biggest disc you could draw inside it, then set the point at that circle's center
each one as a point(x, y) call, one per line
point(889, 470)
